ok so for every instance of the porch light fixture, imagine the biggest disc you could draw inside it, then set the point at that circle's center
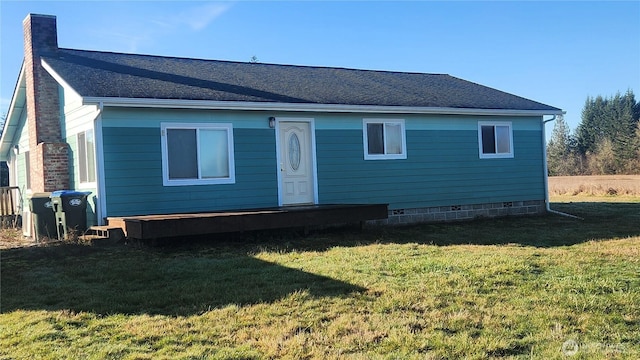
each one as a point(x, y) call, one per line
point(272, 122)
point(16, 149)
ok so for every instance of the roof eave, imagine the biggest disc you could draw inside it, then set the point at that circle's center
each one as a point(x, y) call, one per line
point(13, 116)
point(307, 107)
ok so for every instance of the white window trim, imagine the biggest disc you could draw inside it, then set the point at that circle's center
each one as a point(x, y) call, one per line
point(365, 139)
point(86, 184)
point(496, 155)
point(186, 182)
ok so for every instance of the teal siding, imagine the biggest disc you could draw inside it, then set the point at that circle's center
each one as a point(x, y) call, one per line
point(133, 175)
point(442, 168)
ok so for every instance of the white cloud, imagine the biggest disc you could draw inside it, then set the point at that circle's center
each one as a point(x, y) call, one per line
point(200, 17)
point(139, 33)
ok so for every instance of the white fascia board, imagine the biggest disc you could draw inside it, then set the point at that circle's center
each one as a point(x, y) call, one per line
point(335, 108)
point(59, 78)
point(13, 116)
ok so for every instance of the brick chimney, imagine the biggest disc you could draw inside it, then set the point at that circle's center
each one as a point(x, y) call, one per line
point(49, 154)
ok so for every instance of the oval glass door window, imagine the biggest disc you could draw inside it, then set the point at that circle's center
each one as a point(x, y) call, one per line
point(294, 151)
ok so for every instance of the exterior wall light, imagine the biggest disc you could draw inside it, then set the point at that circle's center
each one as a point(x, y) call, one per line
point(272, 122)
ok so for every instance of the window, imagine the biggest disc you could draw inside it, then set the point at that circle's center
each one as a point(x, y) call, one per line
point(384, 139)
point(495, 140)
point(86, 157)
point(197, 154)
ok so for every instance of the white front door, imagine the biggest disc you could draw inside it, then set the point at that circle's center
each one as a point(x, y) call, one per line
point(296, 163)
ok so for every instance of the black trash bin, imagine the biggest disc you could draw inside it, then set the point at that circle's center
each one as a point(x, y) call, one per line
point(70, 209)
point(44, 219)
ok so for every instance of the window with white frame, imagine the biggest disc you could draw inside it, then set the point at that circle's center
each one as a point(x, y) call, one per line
point(495, 140)
point(384, 139)
point(86, 157)
point(197, 154)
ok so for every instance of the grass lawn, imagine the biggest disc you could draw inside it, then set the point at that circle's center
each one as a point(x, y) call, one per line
point(547, 287)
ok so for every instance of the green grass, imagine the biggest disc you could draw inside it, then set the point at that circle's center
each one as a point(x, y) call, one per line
point(502, 288)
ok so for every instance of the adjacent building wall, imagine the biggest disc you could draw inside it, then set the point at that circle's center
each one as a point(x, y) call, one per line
point(78, 118)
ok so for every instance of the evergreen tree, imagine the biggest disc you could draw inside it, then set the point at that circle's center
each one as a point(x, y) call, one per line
point(624, 123)
point(591, 130)
point(560, 150)
point(633, 166)
point(3, 119)
point(609, 127)
point(603, 160)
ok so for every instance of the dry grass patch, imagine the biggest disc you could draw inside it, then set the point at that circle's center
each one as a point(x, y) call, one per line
point(596, 185)
point(12, 238)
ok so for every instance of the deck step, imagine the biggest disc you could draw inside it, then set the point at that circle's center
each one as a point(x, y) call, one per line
point(108, 234)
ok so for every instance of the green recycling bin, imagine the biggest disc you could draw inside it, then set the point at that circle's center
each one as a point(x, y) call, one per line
point(70, 209)
point(44, 219)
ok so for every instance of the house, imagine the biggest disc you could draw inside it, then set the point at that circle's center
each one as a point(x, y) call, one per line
point(160, 135)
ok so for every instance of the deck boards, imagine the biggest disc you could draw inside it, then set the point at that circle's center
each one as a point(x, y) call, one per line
point(175, 225)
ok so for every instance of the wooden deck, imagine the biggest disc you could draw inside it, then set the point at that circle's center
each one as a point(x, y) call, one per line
point(174, 225)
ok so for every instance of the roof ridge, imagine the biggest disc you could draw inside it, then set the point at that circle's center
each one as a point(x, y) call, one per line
point(257, 63)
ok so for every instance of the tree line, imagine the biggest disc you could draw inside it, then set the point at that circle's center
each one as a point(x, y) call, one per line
point(606, 142)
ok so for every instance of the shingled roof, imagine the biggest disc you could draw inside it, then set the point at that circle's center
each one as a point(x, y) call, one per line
point(115, 75)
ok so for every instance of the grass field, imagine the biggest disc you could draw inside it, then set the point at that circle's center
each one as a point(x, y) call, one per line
point(546, 287)
point(597, 185)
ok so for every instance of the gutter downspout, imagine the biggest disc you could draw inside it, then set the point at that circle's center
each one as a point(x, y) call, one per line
point(101, 211)
point(546, 173)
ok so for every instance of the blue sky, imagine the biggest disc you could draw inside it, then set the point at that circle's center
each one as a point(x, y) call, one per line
point(557, 53)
